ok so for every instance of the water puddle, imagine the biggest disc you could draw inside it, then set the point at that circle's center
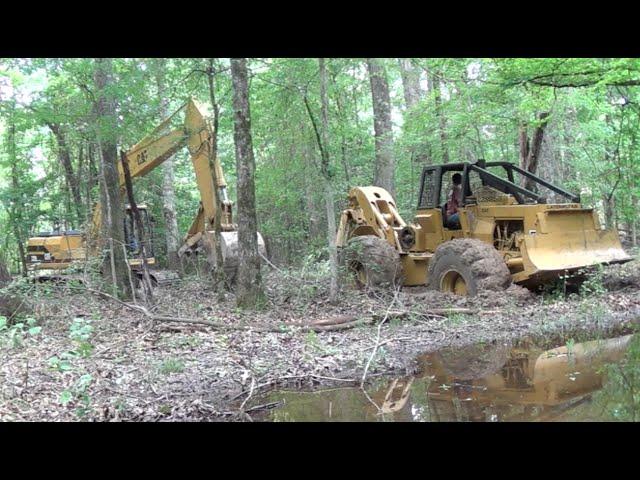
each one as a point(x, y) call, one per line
point(587, 381)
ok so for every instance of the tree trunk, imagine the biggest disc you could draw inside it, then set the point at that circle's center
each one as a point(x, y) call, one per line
point(168, 178)
point(64, 156)
point(115, 267)
point(219, 274)
point(609, 202)
point(142, 236)
point(523, 143)
point(634, 222)
point(385, 163)
point(328, 188)
point(410, 82)
point(419, 151)
point(434, 84)
point(313, 212)
point(15, 211)
point(249, 292)
point(93, 177)
point(5, 276)
point(530, 149)
point(343, 140)
point(11, 303)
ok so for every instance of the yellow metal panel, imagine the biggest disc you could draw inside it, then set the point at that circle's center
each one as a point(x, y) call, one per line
point(414, 268)
point(570, 250)
point(199, 144)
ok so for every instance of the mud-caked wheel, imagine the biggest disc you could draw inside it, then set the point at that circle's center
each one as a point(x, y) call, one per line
point(371, 261)
point(466, 267)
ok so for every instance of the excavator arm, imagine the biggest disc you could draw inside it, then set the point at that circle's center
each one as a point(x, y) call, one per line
point(160, 145)
point(194, 133)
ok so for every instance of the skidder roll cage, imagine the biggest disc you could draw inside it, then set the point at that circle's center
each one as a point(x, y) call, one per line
point(431, 183)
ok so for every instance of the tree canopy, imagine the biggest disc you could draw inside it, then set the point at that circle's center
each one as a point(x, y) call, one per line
point(440, 110)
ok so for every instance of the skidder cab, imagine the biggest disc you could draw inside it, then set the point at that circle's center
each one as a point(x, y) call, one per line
point(482, 234)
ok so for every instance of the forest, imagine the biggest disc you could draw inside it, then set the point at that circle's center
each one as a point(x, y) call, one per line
point(237, 278)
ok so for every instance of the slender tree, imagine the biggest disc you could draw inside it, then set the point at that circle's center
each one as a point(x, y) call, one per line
point(435, 86)
point(64, 156)
point(115, 264)
point(249, 293)
point(531, 149)
point(322, 138)
point(385, 162)
point(410, 82)
point(15, 207)
point(168, 176)
point(219, 273)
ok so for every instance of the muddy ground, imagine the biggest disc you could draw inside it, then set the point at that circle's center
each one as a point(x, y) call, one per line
point(85, 357)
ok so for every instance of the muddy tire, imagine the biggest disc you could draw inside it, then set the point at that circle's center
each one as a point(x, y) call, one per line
point(468, 266)
point(371, 261)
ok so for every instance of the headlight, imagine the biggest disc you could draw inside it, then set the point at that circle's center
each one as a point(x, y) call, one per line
point(407, 237)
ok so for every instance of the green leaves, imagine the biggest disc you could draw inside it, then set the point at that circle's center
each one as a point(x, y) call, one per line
point(65, 397)
point(34, 330)
point(80, 329)
point(60, 364)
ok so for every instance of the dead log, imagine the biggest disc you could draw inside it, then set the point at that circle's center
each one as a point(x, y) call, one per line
point(332, 320)
point(342, 322)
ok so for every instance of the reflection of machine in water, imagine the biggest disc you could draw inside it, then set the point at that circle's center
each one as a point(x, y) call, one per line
point(499, 383)
point(491, 382)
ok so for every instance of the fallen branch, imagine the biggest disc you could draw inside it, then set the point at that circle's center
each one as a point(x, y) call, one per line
point(225, 326)
point(398, 339)
point(269, 262)
point(275, 381)
point(323, 325)
point(442, 312)
point(168, 318)
point(379, 332)
point(332, 320)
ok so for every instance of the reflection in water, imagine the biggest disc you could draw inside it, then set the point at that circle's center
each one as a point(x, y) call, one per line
point(490, 382)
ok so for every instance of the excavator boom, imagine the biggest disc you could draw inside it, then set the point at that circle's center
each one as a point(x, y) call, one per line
point(163, 142)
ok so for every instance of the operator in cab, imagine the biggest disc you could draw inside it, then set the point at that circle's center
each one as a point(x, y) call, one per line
point(454, 201)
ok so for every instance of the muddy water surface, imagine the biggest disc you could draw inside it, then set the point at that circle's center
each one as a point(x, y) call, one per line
point(487, 383)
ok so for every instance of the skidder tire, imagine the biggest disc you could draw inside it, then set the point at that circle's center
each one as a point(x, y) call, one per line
point(466, 267)
point(372, 261)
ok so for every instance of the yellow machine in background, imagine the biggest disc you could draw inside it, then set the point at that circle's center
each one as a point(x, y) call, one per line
point(56, 249)
point(507, 233)
point(59, 250)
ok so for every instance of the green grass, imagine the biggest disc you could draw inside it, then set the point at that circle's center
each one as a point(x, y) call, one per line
point(171, 365)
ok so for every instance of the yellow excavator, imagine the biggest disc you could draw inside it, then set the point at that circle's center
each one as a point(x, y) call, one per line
point(506, 233)
point(60, 249)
